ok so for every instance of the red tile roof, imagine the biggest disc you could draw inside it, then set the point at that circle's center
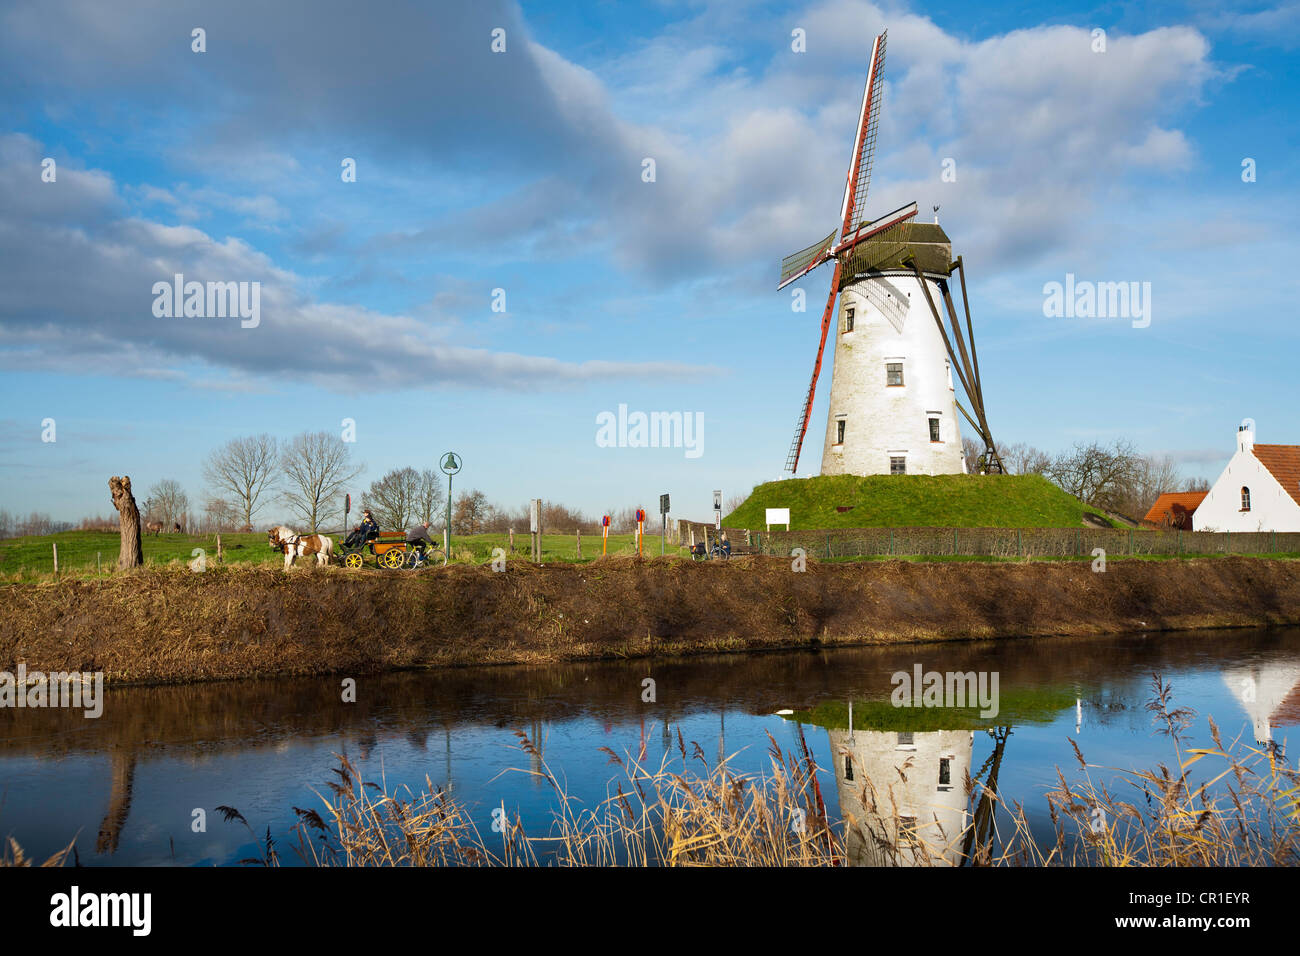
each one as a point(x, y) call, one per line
point(1172, 503)
point(1283, 463)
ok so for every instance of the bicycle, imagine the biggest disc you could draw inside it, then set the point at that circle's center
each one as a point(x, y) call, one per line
point(417, 558)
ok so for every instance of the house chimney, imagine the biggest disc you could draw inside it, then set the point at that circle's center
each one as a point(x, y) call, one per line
point(1246, 435)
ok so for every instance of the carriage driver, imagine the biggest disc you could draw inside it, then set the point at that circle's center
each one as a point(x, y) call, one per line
point(369, 527)
point(419, 537)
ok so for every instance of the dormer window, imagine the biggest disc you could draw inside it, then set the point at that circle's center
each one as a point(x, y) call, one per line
point(1245, 498)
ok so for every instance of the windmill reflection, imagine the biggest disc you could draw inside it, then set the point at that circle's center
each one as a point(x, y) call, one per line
point(908, 798)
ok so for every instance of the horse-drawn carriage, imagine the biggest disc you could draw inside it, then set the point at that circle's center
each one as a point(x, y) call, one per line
point(389, 548)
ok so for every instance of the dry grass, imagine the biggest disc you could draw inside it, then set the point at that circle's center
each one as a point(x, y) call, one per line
point(157, 625)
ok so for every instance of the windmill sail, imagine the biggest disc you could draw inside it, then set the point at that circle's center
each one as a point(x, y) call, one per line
point(804, 261)
point(864, 145)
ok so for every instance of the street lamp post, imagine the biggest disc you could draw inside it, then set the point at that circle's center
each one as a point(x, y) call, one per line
point(451, 464)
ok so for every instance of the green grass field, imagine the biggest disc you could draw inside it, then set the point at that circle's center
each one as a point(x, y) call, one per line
point(84, 551)
point(915, 501)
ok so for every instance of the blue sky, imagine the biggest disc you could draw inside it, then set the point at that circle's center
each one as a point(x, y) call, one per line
point(522, 171)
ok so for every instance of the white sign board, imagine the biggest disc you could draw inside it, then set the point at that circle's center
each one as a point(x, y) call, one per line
point(778, 516)
point(535, 515)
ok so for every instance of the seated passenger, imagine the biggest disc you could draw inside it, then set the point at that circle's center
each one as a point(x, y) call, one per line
point(356, 538)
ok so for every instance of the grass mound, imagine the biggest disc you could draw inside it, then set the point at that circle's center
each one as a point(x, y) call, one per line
point(915, 501)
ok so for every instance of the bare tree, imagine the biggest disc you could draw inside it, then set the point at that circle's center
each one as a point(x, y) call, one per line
point(221, 515)
point(395, 498)
point(1023, 459)
point(167, 502)
point(470, 512)
point(1100, 475)
point(1153, 476)
point(245, 470)
point(131, 552)
point(430, 504)
point(317, 466)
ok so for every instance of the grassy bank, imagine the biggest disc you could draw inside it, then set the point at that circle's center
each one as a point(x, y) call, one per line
point(918, 501)
point(93, 552)
point(171, 625)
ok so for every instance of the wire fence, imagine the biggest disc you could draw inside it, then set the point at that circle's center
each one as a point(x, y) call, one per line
point(1010, 542)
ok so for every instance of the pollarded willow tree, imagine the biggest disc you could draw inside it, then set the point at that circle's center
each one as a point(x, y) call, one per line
point(131, 552)
point(317, 467)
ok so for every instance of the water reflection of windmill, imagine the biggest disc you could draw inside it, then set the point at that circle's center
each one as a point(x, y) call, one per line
point(902, 794)
point(1269, 692)
point(893, 407)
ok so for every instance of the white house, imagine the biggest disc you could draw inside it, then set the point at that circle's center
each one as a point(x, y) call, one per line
point(1258, 491)
point(1269, 692)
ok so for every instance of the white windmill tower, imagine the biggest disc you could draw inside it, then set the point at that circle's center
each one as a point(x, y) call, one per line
point(893, 405)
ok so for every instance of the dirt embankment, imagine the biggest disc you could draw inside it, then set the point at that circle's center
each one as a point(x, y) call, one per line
point(167, 626)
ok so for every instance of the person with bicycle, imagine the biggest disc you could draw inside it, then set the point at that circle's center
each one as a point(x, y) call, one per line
point(419, 537)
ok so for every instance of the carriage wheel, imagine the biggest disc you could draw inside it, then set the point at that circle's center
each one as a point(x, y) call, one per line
point(393, 558)
point(353, 560)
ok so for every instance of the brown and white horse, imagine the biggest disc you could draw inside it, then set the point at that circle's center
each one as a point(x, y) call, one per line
point(294, 545)
point(153, 527)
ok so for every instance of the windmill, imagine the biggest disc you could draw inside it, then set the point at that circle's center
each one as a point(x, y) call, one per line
point(886, 417)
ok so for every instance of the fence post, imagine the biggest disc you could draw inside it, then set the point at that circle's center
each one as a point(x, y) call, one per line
point(1272, 541)
point(891, 542)
point(828, 546)
point(1227, 542)
point(1020, 544)
point(1130, 542)
point(55, 544)
point(954, 541)
point(1178, 548)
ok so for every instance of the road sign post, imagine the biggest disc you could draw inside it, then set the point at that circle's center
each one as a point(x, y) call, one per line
point(604, 534)
point(640, 529)
point(717, 510)
point(663, 515)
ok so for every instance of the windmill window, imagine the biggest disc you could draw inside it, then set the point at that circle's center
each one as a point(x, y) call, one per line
point(848, 320)
point(848, 767)
point(905, 739)
point(907, 830)
point(1245, 498)
point(945, 772)
point(897, 465)
point(839, 432)
point(934, 429)
point(894, 373)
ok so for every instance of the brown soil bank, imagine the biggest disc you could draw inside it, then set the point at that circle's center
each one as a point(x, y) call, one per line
point(174, 625)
